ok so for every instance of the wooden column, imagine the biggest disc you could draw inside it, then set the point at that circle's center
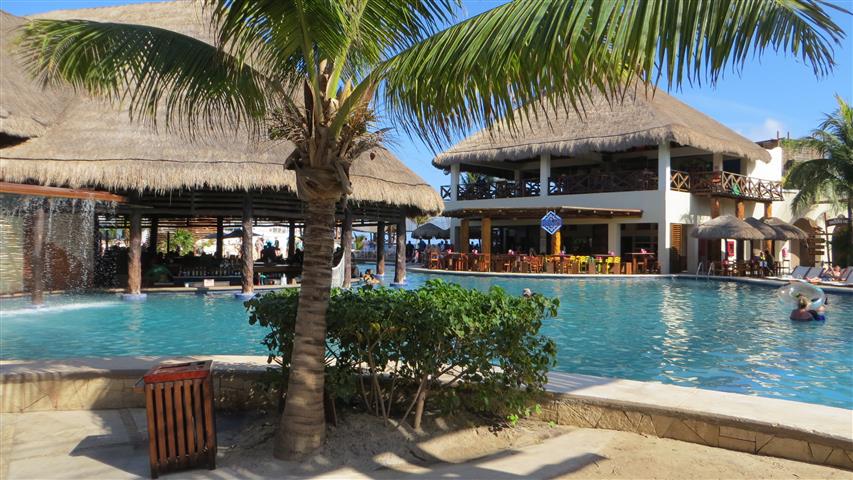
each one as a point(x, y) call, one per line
point(134, 254)
point(768, 212)
point(556, 243)
point(486, 235)
point(346, 246)
point(740, 212)
point(220, 233)
point(152, 236)
point(291, 239)
point(400, 264)
point(380, 248)
point(247, 249)
point(37, 255)
point(464, 235)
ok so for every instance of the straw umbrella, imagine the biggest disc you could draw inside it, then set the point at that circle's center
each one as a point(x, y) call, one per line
point(788, 231)
point(428, 231)
point(725, 227)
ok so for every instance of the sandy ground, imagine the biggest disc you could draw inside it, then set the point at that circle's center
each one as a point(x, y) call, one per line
point(112, 444)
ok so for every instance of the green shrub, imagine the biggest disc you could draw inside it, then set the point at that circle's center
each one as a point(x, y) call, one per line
point(395, 350)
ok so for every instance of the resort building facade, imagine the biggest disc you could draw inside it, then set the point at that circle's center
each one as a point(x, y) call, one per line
point(625, 177)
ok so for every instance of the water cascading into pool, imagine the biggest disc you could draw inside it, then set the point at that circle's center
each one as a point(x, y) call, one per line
point(47, 244)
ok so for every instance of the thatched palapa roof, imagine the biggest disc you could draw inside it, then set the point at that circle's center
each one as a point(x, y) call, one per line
point(26, 110)
point(640, 119)
point(726, 226)
point(430, 230)
point(94, 144)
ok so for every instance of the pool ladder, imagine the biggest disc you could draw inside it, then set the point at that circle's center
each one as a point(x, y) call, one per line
point(707, 272)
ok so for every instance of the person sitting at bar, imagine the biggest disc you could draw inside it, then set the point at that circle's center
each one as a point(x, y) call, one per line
point(268, 253)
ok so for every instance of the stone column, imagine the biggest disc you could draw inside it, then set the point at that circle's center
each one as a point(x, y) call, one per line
point(37, 255)
point(768, 212)
point(400, 264)
point(740, 212)
point(380, 248)
point(614, 238)
point(464, 236)
point(134, 258)
point(220, 233)
point(544, 174)
point(346, 247)
point(247, 252)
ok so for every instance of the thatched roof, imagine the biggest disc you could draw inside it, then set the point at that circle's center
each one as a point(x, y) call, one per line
point(641, 119)
point(26, 109)
point(789, 231)
point(430, 230)
point(769, 232)
point(726, 226)
point(95, 144)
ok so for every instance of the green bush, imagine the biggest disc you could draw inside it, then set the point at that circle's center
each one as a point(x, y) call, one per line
point(396, 350)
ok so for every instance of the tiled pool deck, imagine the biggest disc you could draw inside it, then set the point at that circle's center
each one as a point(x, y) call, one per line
point(780, 428)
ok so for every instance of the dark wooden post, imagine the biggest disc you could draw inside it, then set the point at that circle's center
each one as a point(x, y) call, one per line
point(400, 264)
point(134, 255)
point(152, 236)
point(37, 257)
point(247, 249)
point(291, 239)
point(219, 237)
point(346, 246)
point(740, 212)
point(380, 248)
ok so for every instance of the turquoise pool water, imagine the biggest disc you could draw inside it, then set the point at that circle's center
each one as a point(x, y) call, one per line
point(716, 335)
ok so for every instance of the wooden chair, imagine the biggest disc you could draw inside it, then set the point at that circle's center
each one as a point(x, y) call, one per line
point(536, 264)
point(434, 263)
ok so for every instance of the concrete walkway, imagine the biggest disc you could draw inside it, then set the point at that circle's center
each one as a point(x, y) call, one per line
point(112, 444)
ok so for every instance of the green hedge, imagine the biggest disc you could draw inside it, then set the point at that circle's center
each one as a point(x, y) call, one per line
point(393, 350)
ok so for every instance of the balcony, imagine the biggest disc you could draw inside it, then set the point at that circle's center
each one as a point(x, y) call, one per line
point(491, 190)
point(624, 181)
point(726, 184)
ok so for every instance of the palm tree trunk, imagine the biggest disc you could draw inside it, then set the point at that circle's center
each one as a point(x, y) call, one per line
point(303, 427)
point(850, 229)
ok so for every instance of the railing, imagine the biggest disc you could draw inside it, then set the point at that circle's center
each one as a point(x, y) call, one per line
point(490, 190)
point(736, 186)
point(627, 181)
point(679, 181)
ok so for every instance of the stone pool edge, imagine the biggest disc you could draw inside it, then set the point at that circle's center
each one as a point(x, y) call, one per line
point(766, 426)
point(586, 276)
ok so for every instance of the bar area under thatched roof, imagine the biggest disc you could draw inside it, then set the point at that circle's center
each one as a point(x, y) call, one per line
point(57, 139)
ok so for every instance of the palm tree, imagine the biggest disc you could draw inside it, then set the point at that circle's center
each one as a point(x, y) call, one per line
point(342, 56)
point(830, 177)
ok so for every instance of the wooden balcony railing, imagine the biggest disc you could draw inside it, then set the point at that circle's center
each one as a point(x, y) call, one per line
point(727, 184)
point(490, 190)
point(627, 181)
point(679, 181)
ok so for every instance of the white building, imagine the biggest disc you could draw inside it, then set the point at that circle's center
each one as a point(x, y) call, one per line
point(623, 177)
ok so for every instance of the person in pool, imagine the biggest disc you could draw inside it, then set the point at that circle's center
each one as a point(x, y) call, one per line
point(801, 313)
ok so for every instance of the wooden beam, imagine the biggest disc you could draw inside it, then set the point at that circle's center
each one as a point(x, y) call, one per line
point(59, 192)
point(400, 264)
point(37, 256)
point(486, 235)
point(346, 246)
point(464, 235)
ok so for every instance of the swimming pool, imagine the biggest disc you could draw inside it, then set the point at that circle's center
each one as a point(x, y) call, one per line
point(716, 335)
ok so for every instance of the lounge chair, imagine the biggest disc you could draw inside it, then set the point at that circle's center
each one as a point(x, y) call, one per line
point(800, 272)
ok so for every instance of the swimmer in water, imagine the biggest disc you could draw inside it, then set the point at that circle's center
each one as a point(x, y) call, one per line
point(801, 313)
point(527, 293)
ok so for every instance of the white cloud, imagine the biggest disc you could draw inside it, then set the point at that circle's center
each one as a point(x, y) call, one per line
point(767, 130)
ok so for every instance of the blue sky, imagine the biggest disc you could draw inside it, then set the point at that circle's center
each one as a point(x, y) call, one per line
point(773, 93)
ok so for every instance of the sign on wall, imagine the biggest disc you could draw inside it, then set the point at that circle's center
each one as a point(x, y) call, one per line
point(551, 222)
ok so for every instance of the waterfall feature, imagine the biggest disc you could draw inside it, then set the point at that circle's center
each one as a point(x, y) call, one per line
point(67, 257)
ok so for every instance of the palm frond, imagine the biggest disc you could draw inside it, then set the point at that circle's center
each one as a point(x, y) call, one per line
point(482, 69)
point(161, 75)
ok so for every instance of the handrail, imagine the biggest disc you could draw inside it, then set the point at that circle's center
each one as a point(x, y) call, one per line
point(736, 186)
point(622, 181)
point(679, 181)
point(489, 190)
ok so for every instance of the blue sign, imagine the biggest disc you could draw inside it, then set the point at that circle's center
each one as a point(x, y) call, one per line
point(551, 222)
